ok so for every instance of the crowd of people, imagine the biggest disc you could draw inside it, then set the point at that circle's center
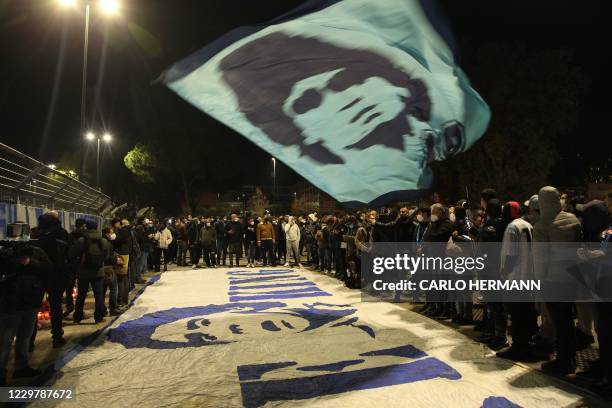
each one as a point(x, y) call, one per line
point(114, 259)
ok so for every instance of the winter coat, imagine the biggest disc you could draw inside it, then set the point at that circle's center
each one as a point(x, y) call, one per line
point(265, 231)
point(142, 238)
point(292, 232)
point(123, 243)
point(164, 238)
point(78, 251)
point(220, 228)
point(553, 225)
point(24, 286)
point(322, 237)
point(55, 241)
point(250, 234)
point(233, 231)
point(208, 237)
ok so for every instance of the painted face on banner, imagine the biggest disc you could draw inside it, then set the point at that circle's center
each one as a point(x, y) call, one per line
point(231, 328)
point(333, 102)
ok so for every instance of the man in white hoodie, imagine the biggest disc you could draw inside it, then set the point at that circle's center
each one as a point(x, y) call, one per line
point(556, 226)
point(292, 232)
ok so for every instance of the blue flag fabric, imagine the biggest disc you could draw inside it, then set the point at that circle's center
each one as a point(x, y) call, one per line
point(357, 96)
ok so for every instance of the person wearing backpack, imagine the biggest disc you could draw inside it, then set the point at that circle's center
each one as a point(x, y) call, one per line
point(55, 241)
point(93, 251)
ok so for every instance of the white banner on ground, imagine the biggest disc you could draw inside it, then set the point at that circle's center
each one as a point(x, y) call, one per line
point(281, 337)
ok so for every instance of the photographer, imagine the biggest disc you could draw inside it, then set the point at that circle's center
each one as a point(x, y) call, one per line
point(24, 269)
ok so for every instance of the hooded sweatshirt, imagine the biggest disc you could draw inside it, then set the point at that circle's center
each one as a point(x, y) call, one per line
point(553, 226)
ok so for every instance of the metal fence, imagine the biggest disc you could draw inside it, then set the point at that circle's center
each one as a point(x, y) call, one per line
point(24, 180)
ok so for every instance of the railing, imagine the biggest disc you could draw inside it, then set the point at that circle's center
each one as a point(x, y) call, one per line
point(24, 180)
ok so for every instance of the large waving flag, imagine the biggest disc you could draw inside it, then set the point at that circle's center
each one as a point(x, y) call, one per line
point(357, 96)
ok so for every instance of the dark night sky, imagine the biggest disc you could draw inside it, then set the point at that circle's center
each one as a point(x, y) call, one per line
point(123, 100)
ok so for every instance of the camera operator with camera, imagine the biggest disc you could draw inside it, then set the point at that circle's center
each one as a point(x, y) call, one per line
point(24, 268)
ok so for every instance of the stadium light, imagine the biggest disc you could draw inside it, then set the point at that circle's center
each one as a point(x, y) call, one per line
point(90, 136)
point(107, 137)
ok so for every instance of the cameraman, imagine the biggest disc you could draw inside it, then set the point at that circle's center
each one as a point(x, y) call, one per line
point(24, 269)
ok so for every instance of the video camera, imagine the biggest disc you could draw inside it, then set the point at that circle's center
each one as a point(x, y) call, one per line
point(18, 239)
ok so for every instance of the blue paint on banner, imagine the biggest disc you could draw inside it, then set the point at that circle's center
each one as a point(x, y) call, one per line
point(271, 286)
point(258, 393)
point(270, 297)
point(259, 272)
point(274, 292)
point(265, 279)
point(402, 351)
point(255, 371)
point(339, 366)
point(498, 402)
point(269, 326)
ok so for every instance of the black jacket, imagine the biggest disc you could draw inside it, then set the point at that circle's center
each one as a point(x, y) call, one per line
point(439, 231)
point(220, 227)
point(142, 237)
point(55, 241)
point(250, 233)
point(24, 286)
point(234, 231)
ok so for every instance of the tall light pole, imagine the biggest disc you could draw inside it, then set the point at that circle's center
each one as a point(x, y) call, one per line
point(108, 7)
point(106, 138)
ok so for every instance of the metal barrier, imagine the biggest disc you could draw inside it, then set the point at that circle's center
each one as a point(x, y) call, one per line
point(24, 180)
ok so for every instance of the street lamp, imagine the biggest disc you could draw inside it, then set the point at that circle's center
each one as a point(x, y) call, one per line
point(106, 138)
point(108, 7)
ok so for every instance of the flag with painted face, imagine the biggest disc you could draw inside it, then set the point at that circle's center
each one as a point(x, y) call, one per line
point(357, 96)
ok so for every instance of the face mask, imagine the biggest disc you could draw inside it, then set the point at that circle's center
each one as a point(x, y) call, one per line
point(434, 218)
point(113, 236)
point(452, 217)
point(419, 218)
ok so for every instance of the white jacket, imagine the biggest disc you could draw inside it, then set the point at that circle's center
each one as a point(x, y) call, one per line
point(164, 238)
point(292, 231)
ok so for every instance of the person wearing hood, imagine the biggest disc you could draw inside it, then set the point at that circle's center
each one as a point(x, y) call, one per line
point(94, 251)
point(293, 236)
point(555, 226)
point(516, 253)
point(55, 241)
